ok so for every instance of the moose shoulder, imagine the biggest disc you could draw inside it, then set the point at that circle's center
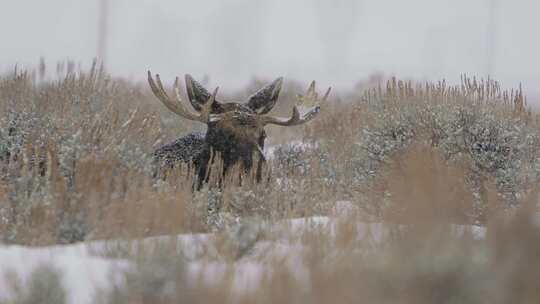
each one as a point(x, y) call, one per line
point(235, 130)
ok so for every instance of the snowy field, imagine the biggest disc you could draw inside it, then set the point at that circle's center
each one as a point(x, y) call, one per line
point(85, 267)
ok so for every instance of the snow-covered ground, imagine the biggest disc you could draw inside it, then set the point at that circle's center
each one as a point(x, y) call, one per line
point(82, 272)
point(86, 268)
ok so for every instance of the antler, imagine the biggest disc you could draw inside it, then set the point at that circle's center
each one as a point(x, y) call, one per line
point(176, 105)
point(310, 101)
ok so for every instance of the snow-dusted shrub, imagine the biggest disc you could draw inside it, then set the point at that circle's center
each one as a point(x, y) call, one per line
point(47, 128)
point(476, 122)
point(75, 156)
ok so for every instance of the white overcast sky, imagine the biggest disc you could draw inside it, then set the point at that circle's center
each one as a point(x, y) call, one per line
point(335, 41)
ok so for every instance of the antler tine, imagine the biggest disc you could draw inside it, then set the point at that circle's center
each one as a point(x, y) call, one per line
point(311, 93)
point(296, 118)
point(326, 94)
point(311, 97)
point(154, 87)
point(174, 106)
point(176, 89)
point(207, 107)
point(160, 86)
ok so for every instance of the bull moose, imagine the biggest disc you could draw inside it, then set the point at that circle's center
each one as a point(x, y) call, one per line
point(235, 130)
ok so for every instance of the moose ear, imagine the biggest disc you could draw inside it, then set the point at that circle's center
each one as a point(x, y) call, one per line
point(197, 94)
point(264, 99)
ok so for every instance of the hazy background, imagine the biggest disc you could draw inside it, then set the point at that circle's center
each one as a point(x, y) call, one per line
point(337, 42)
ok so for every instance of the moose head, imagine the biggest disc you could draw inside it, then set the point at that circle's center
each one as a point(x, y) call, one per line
point(235, 130)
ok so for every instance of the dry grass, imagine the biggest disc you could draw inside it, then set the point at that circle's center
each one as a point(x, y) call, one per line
point(421, 260)
point(75, 158)
point(75, 165)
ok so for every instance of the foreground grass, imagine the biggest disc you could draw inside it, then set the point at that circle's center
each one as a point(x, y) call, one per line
point(423, 261)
